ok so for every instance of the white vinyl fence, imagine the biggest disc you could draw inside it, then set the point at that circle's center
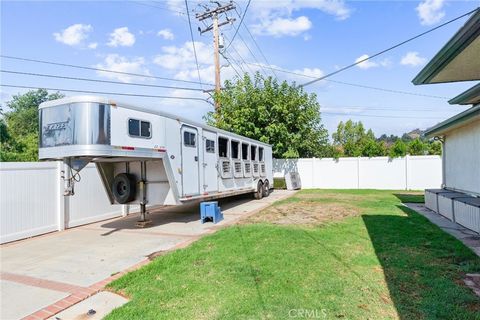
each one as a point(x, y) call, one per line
point(408, 173)
point(32, 201)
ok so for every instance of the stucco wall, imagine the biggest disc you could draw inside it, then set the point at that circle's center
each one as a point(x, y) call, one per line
point(462, 158)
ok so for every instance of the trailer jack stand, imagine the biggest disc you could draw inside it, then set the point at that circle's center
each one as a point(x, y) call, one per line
point(143, 222)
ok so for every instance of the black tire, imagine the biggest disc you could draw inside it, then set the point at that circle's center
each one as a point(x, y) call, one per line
point(259, 193)
point(124, 187)
point(266, 188)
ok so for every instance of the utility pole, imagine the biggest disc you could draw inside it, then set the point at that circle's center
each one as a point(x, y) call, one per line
point(214, 13)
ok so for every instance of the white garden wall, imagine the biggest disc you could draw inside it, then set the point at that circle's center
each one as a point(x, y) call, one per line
point(408, 173)
point(32, 201)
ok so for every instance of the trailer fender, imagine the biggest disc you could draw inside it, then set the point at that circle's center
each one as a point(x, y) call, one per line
point(124, 187)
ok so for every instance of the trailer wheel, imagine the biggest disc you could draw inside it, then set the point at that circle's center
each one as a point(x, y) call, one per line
point(259, 193)
point(124, 187)
point(266, 188)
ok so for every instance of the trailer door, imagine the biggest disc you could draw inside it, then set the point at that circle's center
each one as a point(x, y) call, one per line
point(190, 163)
point(210, 173)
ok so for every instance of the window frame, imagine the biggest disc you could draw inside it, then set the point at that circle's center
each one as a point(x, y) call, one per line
point(184, 141)
point(228, 149)
point(139, 128)
point(206, 146)
point(252, 146)
point(248, 151)
point(239, 151)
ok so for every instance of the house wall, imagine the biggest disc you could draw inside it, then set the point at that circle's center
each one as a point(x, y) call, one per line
point(462, 158)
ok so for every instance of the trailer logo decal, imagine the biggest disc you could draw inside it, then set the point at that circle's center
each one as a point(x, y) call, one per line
point(56, 126)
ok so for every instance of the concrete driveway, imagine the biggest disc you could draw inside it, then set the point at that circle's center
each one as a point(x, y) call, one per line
point(44, 275)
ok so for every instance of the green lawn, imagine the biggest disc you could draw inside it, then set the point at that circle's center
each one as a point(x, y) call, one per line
point(346, 254)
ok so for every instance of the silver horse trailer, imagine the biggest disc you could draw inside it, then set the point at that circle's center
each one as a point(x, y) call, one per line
point(150, 157)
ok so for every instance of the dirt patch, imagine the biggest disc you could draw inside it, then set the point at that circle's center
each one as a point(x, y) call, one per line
point(304, 213)
point(329, 196)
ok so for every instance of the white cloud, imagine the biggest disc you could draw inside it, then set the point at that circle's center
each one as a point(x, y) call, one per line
point(115, 62)
point(93, 45)
point(183, 57)
point(430, 11)
point(412, 59)
point(166, 34)
point(74, 35)
point(285, 8)
point(121, 37)
point(279, 27)
point(365, 64)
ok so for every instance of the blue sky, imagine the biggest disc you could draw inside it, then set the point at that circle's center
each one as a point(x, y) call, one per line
point(307, 37)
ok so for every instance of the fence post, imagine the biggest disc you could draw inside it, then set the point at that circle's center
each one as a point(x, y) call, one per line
point(313, 173)
point(407, 168)
point(62, 205)
point(358, 172)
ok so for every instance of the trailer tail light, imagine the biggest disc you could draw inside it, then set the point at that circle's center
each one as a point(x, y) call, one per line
point(128, 148)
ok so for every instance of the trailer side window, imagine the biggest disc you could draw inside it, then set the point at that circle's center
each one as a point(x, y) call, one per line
point(189, 139)
point(223, 147)
point(260, 154)
point(244, 151)
point(138, 128)
point(210, 146)
point(235, 150)
point(253, 151)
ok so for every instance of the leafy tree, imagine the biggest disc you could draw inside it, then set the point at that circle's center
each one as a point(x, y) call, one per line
point(435, 148)
point(398, 149)
point(417, 147)
point(19, 127)
point(352, 141)
point(280, 114)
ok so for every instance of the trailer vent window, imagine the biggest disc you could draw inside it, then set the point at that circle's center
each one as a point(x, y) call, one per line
point(260, 154)
point(138, 128)
point(244, 151)
point(223, 147)
point(189, 139)
point(253, 151)
point(247, 167)
point(255, 168)
point(238, 167)
point(210, 146)
point(226, 166)
point(235, 150)
point(262, 168)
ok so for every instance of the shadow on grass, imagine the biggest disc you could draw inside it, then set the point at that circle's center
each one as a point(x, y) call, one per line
point(423, 266)
point(410, 197)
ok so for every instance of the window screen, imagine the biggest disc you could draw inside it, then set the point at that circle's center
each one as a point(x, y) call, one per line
point(210, 146)
point(253, 151)
point(189, 139)
point(244, 151)
point(223, 147)
point(138, 128)
point(260, 154)
point(235, 150)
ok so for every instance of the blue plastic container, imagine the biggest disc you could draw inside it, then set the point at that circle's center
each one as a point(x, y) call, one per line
point(210, 211)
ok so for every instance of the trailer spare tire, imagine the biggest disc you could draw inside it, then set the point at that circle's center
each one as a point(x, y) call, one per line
point(124, 187)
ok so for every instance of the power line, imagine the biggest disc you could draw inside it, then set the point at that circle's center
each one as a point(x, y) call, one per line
point(193, 43)
point(97, 80)
point(376, 116)
point(388, 49)
point(356, 84)
point(158, 7)
point(98, 69)
point(253, 55)
point(102, 92)
point(396, 109)
point(239, 25)
point(253, 38)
